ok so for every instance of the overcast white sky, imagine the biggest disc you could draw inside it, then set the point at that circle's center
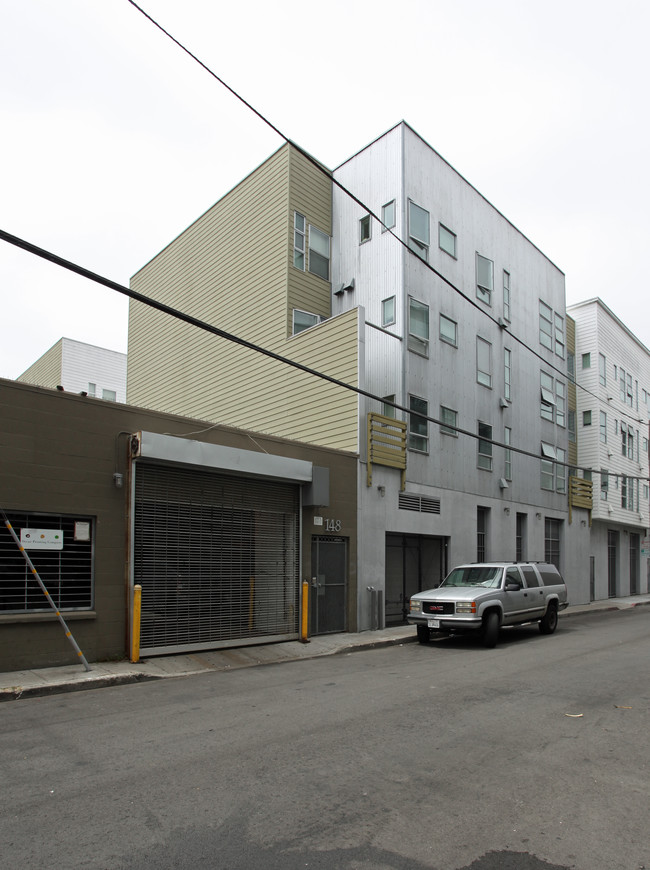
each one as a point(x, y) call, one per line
point(113, 140)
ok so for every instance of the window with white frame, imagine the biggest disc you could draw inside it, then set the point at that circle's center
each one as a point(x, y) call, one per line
point(484, 458)
point(625, 496)
point(448, 330)
point(319, 253)
point(547, 407)
point(630, 442)
point(304, 320)
point(418, 338)
point(604, 484)
point(450, 418)
point(419, 230)
point(299, 231)
point(571, 366)
point(602, 369)
point(483, 362)
point(364, 229)
point(418, 425)
point(507, 374)
point(603, 427)
point(559, 335)
point(447, 240)
point(507, 439)
point(560, 403)
point(484, 278)
point(560, 470)
point(388, 311)
point(506, 295)
point(92, 389)
point(571, 426)
point(545, 325)
point(388, 215)
point(586, 418)
point(623, 439)
point(109, 395)
point(586, 360)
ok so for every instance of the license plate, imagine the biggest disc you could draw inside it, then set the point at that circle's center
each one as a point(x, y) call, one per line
point(433, 623)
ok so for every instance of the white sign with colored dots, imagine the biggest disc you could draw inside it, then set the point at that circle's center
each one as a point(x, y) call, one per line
point(41, 539)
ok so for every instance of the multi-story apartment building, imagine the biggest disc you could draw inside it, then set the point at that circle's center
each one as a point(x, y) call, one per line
point(445, 312)
point(612, 373)
point(79, 367)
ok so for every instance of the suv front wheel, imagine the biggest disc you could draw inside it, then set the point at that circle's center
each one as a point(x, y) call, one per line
point(490, 629)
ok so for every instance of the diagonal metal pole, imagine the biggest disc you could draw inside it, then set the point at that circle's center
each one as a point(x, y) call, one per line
point(68, 633)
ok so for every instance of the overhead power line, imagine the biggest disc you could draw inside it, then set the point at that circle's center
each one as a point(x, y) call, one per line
point(321, 168)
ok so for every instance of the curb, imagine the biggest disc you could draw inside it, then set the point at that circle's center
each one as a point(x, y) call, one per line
point(15, 693)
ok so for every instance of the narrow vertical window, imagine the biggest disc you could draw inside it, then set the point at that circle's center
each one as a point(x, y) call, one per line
point(545, 325)
point(448, 330)
point(418, 339)
point(507, 373)
point(560, 403)
point(559, 335)
point(388, 215)
point(388, 311)
point(603, 427)
point(481, 533)
point(319, 253)
point(419, 230)
point(387, 404)
point(484, 278)
point(602, 370)
point(418, 425)
point(364, 229)
point(506, 295)
point(560, 470)
point(484, 446)
point(447, 241)
point(449, 417)
point(507, 439)
point(298, 241)
point(483, 362)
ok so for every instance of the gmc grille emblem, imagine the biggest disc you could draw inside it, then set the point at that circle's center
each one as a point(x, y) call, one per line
point(435, 607)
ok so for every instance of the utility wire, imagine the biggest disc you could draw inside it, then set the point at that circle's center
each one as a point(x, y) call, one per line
point(321, 168)
point(228, 336)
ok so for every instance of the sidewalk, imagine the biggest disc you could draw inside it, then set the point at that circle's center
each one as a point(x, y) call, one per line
point(73, 678)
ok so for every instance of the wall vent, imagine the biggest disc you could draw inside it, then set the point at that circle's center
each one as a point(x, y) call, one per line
point(420, 503)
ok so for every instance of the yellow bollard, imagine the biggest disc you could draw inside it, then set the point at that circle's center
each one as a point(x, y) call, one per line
point(304, 626)
point(135, 633)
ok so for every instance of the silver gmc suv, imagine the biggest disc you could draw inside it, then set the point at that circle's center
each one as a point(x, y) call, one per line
point(484, 596)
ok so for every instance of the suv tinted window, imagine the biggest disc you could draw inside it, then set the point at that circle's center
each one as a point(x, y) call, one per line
point(549, 574)
point(530, 575)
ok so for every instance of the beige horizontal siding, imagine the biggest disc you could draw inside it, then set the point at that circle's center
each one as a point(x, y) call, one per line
point(46, 371)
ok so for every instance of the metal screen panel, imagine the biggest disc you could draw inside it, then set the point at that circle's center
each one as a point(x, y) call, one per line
point(217, 558)
point(66, 573)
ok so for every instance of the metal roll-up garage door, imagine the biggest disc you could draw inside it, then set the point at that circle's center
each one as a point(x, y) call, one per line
point(217, 557)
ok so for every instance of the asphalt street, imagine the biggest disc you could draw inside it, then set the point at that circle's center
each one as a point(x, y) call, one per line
point(442, 757)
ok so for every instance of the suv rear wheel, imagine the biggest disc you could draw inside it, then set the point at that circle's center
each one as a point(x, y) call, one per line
point(548, 622)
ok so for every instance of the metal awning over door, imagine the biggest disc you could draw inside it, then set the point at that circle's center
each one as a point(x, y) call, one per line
point(217, 557)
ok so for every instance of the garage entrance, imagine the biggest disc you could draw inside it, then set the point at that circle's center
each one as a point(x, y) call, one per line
point(217, 557)
point(413, 563)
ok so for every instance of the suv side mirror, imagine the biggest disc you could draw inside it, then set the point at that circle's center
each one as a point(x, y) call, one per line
point(512, 586)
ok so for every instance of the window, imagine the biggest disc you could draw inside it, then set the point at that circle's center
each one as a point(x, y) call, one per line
point(299, 241)
point(571, 426)
point(364, 229)
point(387, 408)
point(545, 325)
point(547, 477)
point(109, 395)
point(548, 397)
point(520, 537)
point(66, 572)
point(586, 360)
point(448, 330)
point(484, 278)
point(484, 446)
point(319, 253)
point(630, 443)
point(560, 470)
point(388, 311)
point(624, 492)
point(92, 389)
point(388, 215)
point(552, 542)
point(507, 439)
point(559, 335)
point(481, 533)
point(560, 403)
point(304, 319)
point(418, 425)
point(623, 439)
point(586, 418)
point(506, 295)
point(419, 230)
point(447, 240)
point(450, 418)
point(571, 366)
point(604, 484)
point(603, 427)
point(418, 339)
point(507, 373)
point(602, 370)
point(483, 362)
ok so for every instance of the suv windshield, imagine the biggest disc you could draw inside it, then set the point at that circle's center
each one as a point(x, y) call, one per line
point(474, 576)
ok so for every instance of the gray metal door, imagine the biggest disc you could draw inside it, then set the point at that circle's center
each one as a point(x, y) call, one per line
point(413, 563)
point(634, 563)
point(612, 563)
point(328, 590)
point(217, 558)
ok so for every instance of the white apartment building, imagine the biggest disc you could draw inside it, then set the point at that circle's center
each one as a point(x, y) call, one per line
point(80, 367)
point(612, 372)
